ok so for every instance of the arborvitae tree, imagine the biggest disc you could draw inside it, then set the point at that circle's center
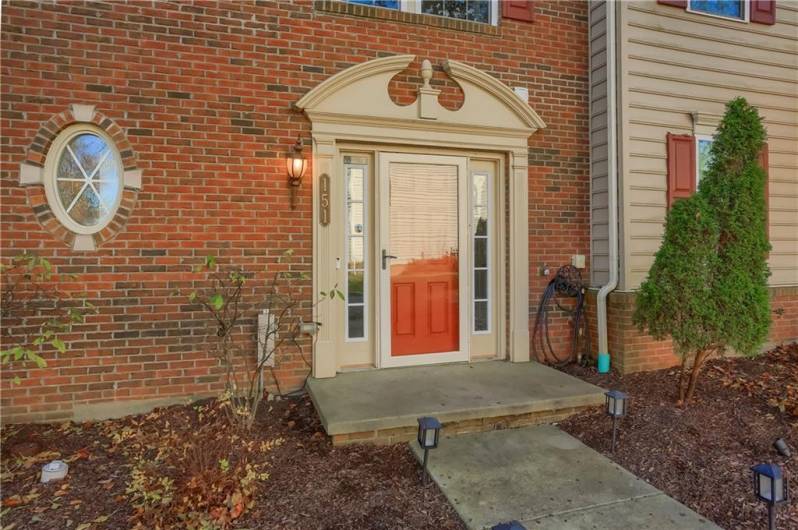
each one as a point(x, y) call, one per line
point(707, 289)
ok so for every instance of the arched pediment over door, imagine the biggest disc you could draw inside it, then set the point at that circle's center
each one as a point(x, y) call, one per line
point(355, 106)
point(358, 98)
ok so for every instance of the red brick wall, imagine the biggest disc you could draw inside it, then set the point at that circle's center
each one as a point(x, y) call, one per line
point(203, 92)
point(632, 351)
point(784, 305)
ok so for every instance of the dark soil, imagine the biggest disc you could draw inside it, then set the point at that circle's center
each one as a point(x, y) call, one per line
point(702, 454)
point(311, 485)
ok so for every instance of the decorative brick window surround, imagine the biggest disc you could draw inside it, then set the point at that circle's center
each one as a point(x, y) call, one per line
point(33, 178)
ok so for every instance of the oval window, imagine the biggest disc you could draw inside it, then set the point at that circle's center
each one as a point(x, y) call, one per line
point(84, 179)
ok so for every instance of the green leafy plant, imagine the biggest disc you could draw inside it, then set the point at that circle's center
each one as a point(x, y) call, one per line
point(707, 289)
point(35, 313)
point(205, 481)
point(225, 302)
point(147, 489)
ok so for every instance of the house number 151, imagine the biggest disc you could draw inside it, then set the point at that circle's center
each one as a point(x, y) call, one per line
point(324, 199)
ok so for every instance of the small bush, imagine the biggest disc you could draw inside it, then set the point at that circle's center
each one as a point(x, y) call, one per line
point(223, 297)
point(34, 312)
point(193, 483)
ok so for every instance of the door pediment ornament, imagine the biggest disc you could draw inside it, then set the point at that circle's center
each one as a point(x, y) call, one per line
point(359, 94)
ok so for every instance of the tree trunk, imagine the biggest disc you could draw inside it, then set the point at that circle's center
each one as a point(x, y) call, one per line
point(682, 381)
point(700, 358)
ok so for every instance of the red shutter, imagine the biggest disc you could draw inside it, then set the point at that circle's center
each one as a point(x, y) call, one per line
point(674, 3)
point(763, 11)
point(519, 10)
point(763, 162)
point(681, 166)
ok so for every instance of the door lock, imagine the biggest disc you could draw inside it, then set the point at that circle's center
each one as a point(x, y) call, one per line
point(385, 258)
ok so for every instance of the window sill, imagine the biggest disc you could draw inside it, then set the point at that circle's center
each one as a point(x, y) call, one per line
point(394, 15)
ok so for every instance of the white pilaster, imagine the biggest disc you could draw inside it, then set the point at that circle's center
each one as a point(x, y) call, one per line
point(519, 255)
point(325, 363)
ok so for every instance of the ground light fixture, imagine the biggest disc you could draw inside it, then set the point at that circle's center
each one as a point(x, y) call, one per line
point(429, 430)
point(510, 525)
point(770, 487)
point(616, 408)
point(782, 447)
point(295, 163)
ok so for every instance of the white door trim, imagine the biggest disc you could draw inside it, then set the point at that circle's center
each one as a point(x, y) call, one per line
point(384, 358)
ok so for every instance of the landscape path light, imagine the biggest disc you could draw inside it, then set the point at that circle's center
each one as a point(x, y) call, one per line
point(770, 487)
point(616, 407)
point(510, 525)
point(429, 430)
point(782, 447)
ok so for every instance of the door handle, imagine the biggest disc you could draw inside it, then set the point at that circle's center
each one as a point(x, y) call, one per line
point(385, 258)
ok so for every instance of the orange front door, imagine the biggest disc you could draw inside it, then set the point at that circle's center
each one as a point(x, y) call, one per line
point(424, 259)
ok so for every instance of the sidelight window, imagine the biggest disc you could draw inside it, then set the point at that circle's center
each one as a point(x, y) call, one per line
point(481, 229)
point(356, 169)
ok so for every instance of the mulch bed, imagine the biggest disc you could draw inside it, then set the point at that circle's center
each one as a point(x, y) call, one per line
point(310, 484)
point(702, 454)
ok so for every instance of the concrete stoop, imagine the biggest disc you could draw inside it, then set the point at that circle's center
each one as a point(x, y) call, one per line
point(547, 479)
point(382, 406)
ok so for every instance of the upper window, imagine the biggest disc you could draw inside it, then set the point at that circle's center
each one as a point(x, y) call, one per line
point(390, 4)
point(476, 10)
point(734, 9)
point(84, 178)
point(702, 156)
point(485, 11)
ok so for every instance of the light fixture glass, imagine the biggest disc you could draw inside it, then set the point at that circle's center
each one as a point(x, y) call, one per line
point(296, 163)
point(428, 432)
point(616, 403)
point(770, 486)
point(769, 483)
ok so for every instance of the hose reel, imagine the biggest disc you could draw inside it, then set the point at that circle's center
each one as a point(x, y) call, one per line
point(567, 283)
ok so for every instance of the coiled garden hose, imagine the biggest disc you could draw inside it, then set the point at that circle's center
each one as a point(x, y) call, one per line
point(567, 283)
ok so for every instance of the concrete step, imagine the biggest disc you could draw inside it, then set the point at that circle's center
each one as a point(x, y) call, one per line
point(382, 406)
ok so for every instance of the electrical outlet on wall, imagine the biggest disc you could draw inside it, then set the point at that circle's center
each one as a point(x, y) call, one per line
point(578, 261)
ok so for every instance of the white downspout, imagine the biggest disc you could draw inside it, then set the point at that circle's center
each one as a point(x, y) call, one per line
point(612, 199)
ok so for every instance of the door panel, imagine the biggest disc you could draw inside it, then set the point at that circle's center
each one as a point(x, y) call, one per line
point(424, 235)
point(404, 302)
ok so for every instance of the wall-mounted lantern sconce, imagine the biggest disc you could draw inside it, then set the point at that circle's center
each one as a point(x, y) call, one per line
point(296, 163)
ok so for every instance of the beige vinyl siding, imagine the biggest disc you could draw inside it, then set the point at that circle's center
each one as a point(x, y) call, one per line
point(675, 63)
point(599, 242)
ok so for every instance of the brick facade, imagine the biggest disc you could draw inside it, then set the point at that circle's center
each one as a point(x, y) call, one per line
point(203, 92)
point(632, 351)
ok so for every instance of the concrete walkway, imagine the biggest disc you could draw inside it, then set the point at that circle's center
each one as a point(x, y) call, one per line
point(547, 479)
